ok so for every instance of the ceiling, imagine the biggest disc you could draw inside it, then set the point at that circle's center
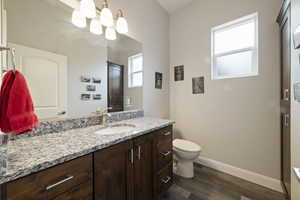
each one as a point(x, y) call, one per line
point(173, 5)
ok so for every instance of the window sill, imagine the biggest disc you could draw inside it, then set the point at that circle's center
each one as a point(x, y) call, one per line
point(234, 77)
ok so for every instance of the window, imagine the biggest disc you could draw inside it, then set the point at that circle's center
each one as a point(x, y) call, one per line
point(235, 48)
point(135, 71)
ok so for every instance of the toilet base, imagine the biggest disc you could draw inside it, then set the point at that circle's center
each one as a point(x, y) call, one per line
point(184, 169)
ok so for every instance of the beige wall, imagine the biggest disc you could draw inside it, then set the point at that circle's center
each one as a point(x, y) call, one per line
point(149, 24)
point(295, 106)
point(236, 121)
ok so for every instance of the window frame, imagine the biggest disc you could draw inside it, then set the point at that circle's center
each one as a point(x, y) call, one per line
point(130, 73)
point(254, 49)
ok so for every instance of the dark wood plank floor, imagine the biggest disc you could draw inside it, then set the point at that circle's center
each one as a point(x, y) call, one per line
point(209, 184)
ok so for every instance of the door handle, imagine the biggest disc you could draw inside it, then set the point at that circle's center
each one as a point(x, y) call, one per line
point(286, 94)
point(139, 152)
point(286, 120)
point(59, 182)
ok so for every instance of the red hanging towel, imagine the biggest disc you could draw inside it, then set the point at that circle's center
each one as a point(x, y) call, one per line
point(6, 85)
point(20, 109)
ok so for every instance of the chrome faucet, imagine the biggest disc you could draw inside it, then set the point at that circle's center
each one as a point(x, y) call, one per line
point(105, 115)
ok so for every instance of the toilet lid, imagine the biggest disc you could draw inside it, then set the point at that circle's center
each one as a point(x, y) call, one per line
point(185, 145)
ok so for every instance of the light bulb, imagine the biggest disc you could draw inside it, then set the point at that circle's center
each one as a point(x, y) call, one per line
point(122, 26)
point(110, 33)
point(106, 17)
point(88, 8)
point(78, 19)
point(95, 26)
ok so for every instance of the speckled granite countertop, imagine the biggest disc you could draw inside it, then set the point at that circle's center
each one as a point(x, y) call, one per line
point(32, 154)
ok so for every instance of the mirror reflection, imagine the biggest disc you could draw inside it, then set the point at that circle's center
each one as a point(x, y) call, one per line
point(72, 72)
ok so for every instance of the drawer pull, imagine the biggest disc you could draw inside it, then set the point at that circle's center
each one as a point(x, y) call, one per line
point(167, 133)
point(139, 152)
point(59, 182)
point(131, 156)
point(165, 154)
point(166, 179)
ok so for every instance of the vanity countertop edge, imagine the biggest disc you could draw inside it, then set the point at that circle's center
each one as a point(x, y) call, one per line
point(33, 154)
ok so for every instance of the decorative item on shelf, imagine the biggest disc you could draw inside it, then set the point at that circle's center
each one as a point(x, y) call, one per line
point(85, 79)
point(198, 85)
point(97, 97)
point(85, 97)
point(99, 17)
point(179, 73)
point(297, 38)
point(91, 88)
point(96, 80)
point(158, 80)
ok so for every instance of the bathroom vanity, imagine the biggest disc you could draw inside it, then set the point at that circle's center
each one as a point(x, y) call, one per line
point(133, 165)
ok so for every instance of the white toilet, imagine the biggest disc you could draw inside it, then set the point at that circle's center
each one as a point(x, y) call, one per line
point(185, 154)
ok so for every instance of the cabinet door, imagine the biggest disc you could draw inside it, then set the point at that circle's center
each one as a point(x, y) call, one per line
point(112, 173)
point(143, 168)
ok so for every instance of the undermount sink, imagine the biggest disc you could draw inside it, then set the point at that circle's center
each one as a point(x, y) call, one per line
point(115, 129)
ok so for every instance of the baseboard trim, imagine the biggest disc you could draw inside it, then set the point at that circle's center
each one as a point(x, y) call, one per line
point(253, 177)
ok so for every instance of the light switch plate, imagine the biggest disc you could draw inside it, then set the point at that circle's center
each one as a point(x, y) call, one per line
point(297, 172)
point(297, 91)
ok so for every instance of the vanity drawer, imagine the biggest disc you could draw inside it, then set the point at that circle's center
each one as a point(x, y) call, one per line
point(52, 182)
point(165, 135)
point(81, 192)
point(165, 179)
point(164, 154)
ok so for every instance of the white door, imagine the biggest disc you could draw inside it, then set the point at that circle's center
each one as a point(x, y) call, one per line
point(46, 75)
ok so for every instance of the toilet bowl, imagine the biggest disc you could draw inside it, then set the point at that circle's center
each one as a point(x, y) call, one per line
point(185, 154)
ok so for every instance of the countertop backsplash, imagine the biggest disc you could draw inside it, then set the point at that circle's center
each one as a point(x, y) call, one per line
point(59, 125)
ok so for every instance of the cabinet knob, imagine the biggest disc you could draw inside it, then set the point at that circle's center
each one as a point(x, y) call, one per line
point(166, 179)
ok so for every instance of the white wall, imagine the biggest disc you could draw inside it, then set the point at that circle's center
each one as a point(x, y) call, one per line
point(236, 121)
point(295, 106)
point(149, 24)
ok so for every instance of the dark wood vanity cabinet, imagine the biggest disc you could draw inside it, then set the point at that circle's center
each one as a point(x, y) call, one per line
point(69, 181)
point(136, 169)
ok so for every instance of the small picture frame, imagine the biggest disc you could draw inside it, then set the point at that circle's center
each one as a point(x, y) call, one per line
point(91, 88)
point(96, 80)
point(179, 73)
point(198, 85)
point(85, 97)
point(85, 79)
point(158, 80)
point(97, 97)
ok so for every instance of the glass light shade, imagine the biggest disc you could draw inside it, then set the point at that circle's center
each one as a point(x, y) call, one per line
point(122, 26)
point(88, 8)
point(96, 26)
point(78, 19)
point(106, 17)
point(110, 33)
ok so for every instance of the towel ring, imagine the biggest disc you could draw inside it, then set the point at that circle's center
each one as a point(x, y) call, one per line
point(13, 56)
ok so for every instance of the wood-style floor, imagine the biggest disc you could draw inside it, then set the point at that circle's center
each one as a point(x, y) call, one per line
point(209, 184)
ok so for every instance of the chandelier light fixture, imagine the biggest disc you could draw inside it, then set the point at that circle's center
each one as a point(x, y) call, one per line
point(88, 8)
point(122, 26)
point(100, 18)
point(78, 19)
